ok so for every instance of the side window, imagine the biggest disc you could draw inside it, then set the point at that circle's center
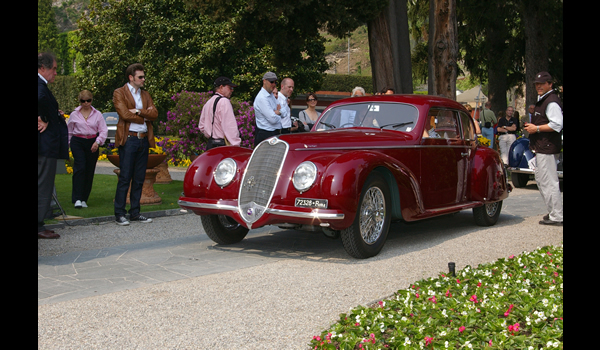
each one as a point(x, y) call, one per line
point(467, 127)
point(443, 123)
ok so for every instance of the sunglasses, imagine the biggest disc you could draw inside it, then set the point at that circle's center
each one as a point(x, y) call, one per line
point(82, 101)
point(311, 99)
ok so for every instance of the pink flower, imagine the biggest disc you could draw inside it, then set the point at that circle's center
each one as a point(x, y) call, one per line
point(433, 299)
point(461, 329)
point(428, 340)
point(490, 342)
point(417, 295)
point(457, 281)
point(473, 298)
point(448, 294)
point(511, 257)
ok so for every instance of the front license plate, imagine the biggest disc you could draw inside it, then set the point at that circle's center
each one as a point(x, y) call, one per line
point(311, 203)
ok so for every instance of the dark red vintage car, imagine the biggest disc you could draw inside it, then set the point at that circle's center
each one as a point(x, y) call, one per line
point(367, 162)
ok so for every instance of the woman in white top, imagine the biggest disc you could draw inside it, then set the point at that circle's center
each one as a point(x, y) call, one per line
point(310, 115)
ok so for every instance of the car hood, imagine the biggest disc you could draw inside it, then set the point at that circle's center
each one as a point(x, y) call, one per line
point(354, 138)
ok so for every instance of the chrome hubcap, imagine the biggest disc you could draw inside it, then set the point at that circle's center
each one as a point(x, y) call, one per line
point(372, 215)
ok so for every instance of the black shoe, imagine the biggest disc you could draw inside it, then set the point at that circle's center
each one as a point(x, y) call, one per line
point(121, 220)
point(550, 222)
point(141, 218)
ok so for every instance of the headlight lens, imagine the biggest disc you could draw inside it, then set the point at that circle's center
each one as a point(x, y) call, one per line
point(225, 172)
point(304, 176)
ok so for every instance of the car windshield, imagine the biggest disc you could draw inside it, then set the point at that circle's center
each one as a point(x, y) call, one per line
point(381, 115)
point(111, 118)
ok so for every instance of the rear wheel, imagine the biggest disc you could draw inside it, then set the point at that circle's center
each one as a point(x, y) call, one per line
point(367, 234)
point(222, 229)
point(487, 214)
point(519, 180)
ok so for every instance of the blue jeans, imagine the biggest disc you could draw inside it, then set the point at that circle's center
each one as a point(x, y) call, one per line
point(133, 158)
point(488, 133)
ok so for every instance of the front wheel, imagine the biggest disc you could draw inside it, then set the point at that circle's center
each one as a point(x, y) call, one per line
point(223, 229)
point(367, 234)
point(487, 214)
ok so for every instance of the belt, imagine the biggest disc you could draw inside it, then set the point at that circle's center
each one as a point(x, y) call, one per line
point(139, 135)
point(285, 130)
point(85, 136)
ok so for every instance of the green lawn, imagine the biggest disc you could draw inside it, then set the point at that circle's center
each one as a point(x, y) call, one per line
point(101, 199)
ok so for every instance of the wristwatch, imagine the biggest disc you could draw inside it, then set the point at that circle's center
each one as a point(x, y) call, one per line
point(538, 129)
point(137, 111)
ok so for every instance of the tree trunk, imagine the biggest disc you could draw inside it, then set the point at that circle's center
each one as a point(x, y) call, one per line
point(389, 49)
point(536, 46)
point(443, 48)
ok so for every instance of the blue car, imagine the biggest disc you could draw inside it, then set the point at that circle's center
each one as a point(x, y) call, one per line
point(518, 158)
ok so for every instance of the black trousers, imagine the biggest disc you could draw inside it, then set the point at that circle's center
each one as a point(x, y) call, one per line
point(84, 166)
point(46, 175)
point(262, 134)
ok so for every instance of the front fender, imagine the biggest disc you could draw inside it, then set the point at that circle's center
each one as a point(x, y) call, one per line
point(344, 178)
point(199, 182)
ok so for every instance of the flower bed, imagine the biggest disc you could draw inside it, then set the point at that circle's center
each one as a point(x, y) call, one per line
point(182, 123)
point(514, 303)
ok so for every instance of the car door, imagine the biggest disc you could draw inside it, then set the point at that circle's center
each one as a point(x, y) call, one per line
point(444, 160)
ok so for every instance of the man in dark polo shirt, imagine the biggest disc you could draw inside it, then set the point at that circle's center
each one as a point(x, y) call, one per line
point(544, 138)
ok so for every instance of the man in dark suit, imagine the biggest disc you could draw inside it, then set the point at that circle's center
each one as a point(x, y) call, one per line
point(133, 137)
point(52, 139)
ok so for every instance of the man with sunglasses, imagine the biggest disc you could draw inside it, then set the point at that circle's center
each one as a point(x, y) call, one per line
point(267, 110)
point(134, 137)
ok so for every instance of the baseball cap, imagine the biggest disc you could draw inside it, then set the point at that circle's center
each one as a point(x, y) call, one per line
point(543, 77)
point(224, 81)
point(270, 76)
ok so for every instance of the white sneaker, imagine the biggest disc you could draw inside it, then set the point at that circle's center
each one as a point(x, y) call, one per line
point(78, 204)
point(83, 204)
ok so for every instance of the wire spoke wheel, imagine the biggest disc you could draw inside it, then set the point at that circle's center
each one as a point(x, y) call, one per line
point(372, 215)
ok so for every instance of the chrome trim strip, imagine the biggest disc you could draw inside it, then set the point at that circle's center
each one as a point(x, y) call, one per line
point(379, 147)
point(207, 205)
point(315, 214)
point(312, 215)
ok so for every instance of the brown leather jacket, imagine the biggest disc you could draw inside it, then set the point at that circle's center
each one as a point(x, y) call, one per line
point(123, 102)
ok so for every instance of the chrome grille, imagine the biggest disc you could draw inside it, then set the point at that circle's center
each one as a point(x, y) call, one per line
point(260, 178)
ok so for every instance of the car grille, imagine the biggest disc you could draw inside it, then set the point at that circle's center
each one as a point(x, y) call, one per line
point(260, 178)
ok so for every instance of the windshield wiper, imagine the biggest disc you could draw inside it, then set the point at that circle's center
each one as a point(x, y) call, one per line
point(328, 125)
point(394, 125)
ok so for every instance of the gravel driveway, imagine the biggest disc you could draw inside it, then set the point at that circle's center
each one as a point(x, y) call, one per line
point(295, 293)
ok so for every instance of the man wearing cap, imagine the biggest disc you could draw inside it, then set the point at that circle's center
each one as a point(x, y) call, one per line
point(266, 110)
point(218, 122)
point(544, 138)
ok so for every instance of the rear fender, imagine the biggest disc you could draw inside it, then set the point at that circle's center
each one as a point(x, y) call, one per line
point(488, 178)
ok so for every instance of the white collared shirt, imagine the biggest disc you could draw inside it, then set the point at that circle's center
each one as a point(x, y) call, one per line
point(44, 79)
point(137, 97)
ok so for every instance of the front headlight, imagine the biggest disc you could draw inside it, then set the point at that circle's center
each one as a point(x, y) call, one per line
point(304, 176)
point(225, 172)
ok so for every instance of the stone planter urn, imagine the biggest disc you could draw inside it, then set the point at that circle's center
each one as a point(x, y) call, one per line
point(149, 196)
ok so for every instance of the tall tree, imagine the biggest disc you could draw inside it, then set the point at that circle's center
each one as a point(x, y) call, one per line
point(389, 48)
point(47, 31)
point(543, 26)
point(443, 48)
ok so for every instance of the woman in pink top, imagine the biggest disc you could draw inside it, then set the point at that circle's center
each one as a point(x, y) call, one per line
point(87, 131)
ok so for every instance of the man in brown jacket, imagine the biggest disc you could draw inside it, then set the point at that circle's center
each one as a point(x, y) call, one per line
point(133, 137)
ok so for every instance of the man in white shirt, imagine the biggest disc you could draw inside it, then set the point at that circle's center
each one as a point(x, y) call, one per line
point(134, 136)
point(287, 88)
point(545, 139)
point(267, 110)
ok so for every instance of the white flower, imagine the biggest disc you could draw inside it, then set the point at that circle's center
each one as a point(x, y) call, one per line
point(407, 341)
point(545, 302)
point(446, 344)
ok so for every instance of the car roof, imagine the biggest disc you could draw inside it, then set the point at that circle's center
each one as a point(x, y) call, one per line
point(417, 100)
